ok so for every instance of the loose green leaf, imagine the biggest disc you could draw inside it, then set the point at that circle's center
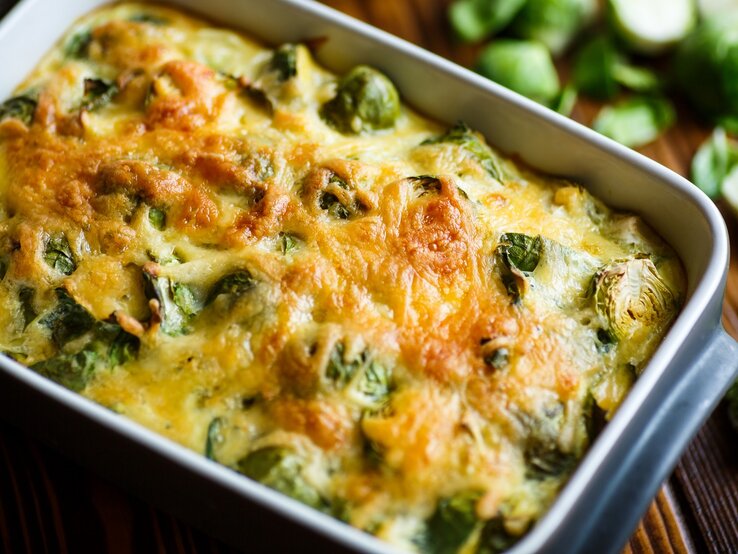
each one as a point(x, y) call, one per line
point(18, 107)
point(281, 469)
point(713, 162)
point(58, 255)
point(78, 45)
point(67, 320)
point(594, 69)
point(554, 23)
point(451, 525)
point(157, 218)
point(630, 295)
point(522, 66)
point(566, 101)
point(214, 437)
point(705, 66)
point(98, 93)
point(636, 121)
point(494, 538)
point(365, 101)
point(474, 144)
point(474, 20)
point(637, 79)
point(234, 284)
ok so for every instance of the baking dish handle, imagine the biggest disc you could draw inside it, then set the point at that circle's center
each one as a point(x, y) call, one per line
point(604, 517)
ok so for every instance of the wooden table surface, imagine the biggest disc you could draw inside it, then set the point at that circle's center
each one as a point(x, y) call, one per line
point(48, 504)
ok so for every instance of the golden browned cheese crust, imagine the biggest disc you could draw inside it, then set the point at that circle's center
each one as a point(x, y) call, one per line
point(390, 322)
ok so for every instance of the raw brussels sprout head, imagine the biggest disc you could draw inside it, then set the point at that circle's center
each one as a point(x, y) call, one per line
point(631, 296)
point(365, 100)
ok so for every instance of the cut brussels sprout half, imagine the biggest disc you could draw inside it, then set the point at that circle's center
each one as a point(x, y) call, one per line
point(280, 468)
point(652, 26)
point(365, 101)
point(631, 297)
point(554, 23)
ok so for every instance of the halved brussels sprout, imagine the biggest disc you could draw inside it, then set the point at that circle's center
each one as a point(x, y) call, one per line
point(366, 100)
point(280, 468)
point(517, 255)
point(631, 295)
point(365, 380)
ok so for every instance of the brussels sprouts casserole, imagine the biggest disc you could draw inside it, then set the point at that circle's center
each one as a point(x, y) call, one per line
point(297, 276)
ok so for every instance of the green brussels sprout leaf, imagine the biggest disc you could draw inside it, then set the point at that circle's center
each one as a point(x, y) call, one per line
point(554, 23)
point(98, 93)
point(636, 121)
point(523, 66)
point(712, 163)
point(516, 256)
point(68, 320)
point(234, 284)
point(474, 20)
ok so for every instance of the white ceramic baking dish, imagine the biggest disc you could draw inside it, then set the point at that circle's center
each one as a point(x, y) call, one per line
point(603, 501)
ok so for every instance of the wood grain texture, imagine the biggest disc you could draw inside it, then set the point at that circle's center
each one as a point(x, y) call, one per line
point(50, 505)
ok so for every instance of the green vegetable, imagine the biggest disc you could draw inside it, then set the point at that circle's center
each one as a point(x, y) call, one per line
point(494, 538)
point(712, 163)
point(474, 20)
point(234, 285)
point(473, 143)
point(424, 185)
point(149, 18)
point(706, 67)
point(18, 107)
point(517, 255)
point(109, 346)
point(523, 66)
point(288, 242)
point(365, 380)
point(67, 320)
point(58, 255)
point(98, 93)
point(653, 26)
point(214, 437)
point(451, 525)
point(600, 70)
point(554, 23)
point(630, 295)
point(177, 304)
point(366, 100)
point(281, 469)
point(157, 218)
point(72, 371)
point(731, 398)
point(566, 101)
point(25, 297)
point(78, 45)
point(636, 121)
point(544, 459)
point(284, 62)
point(497, 359)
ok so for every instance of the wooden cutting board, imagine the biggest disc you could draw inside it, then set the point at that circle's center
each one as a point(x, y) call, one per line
point(48, 504)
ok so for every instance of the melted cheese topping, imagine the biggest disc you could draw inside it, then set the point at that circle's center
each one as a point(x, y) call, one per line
point(188, 241)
